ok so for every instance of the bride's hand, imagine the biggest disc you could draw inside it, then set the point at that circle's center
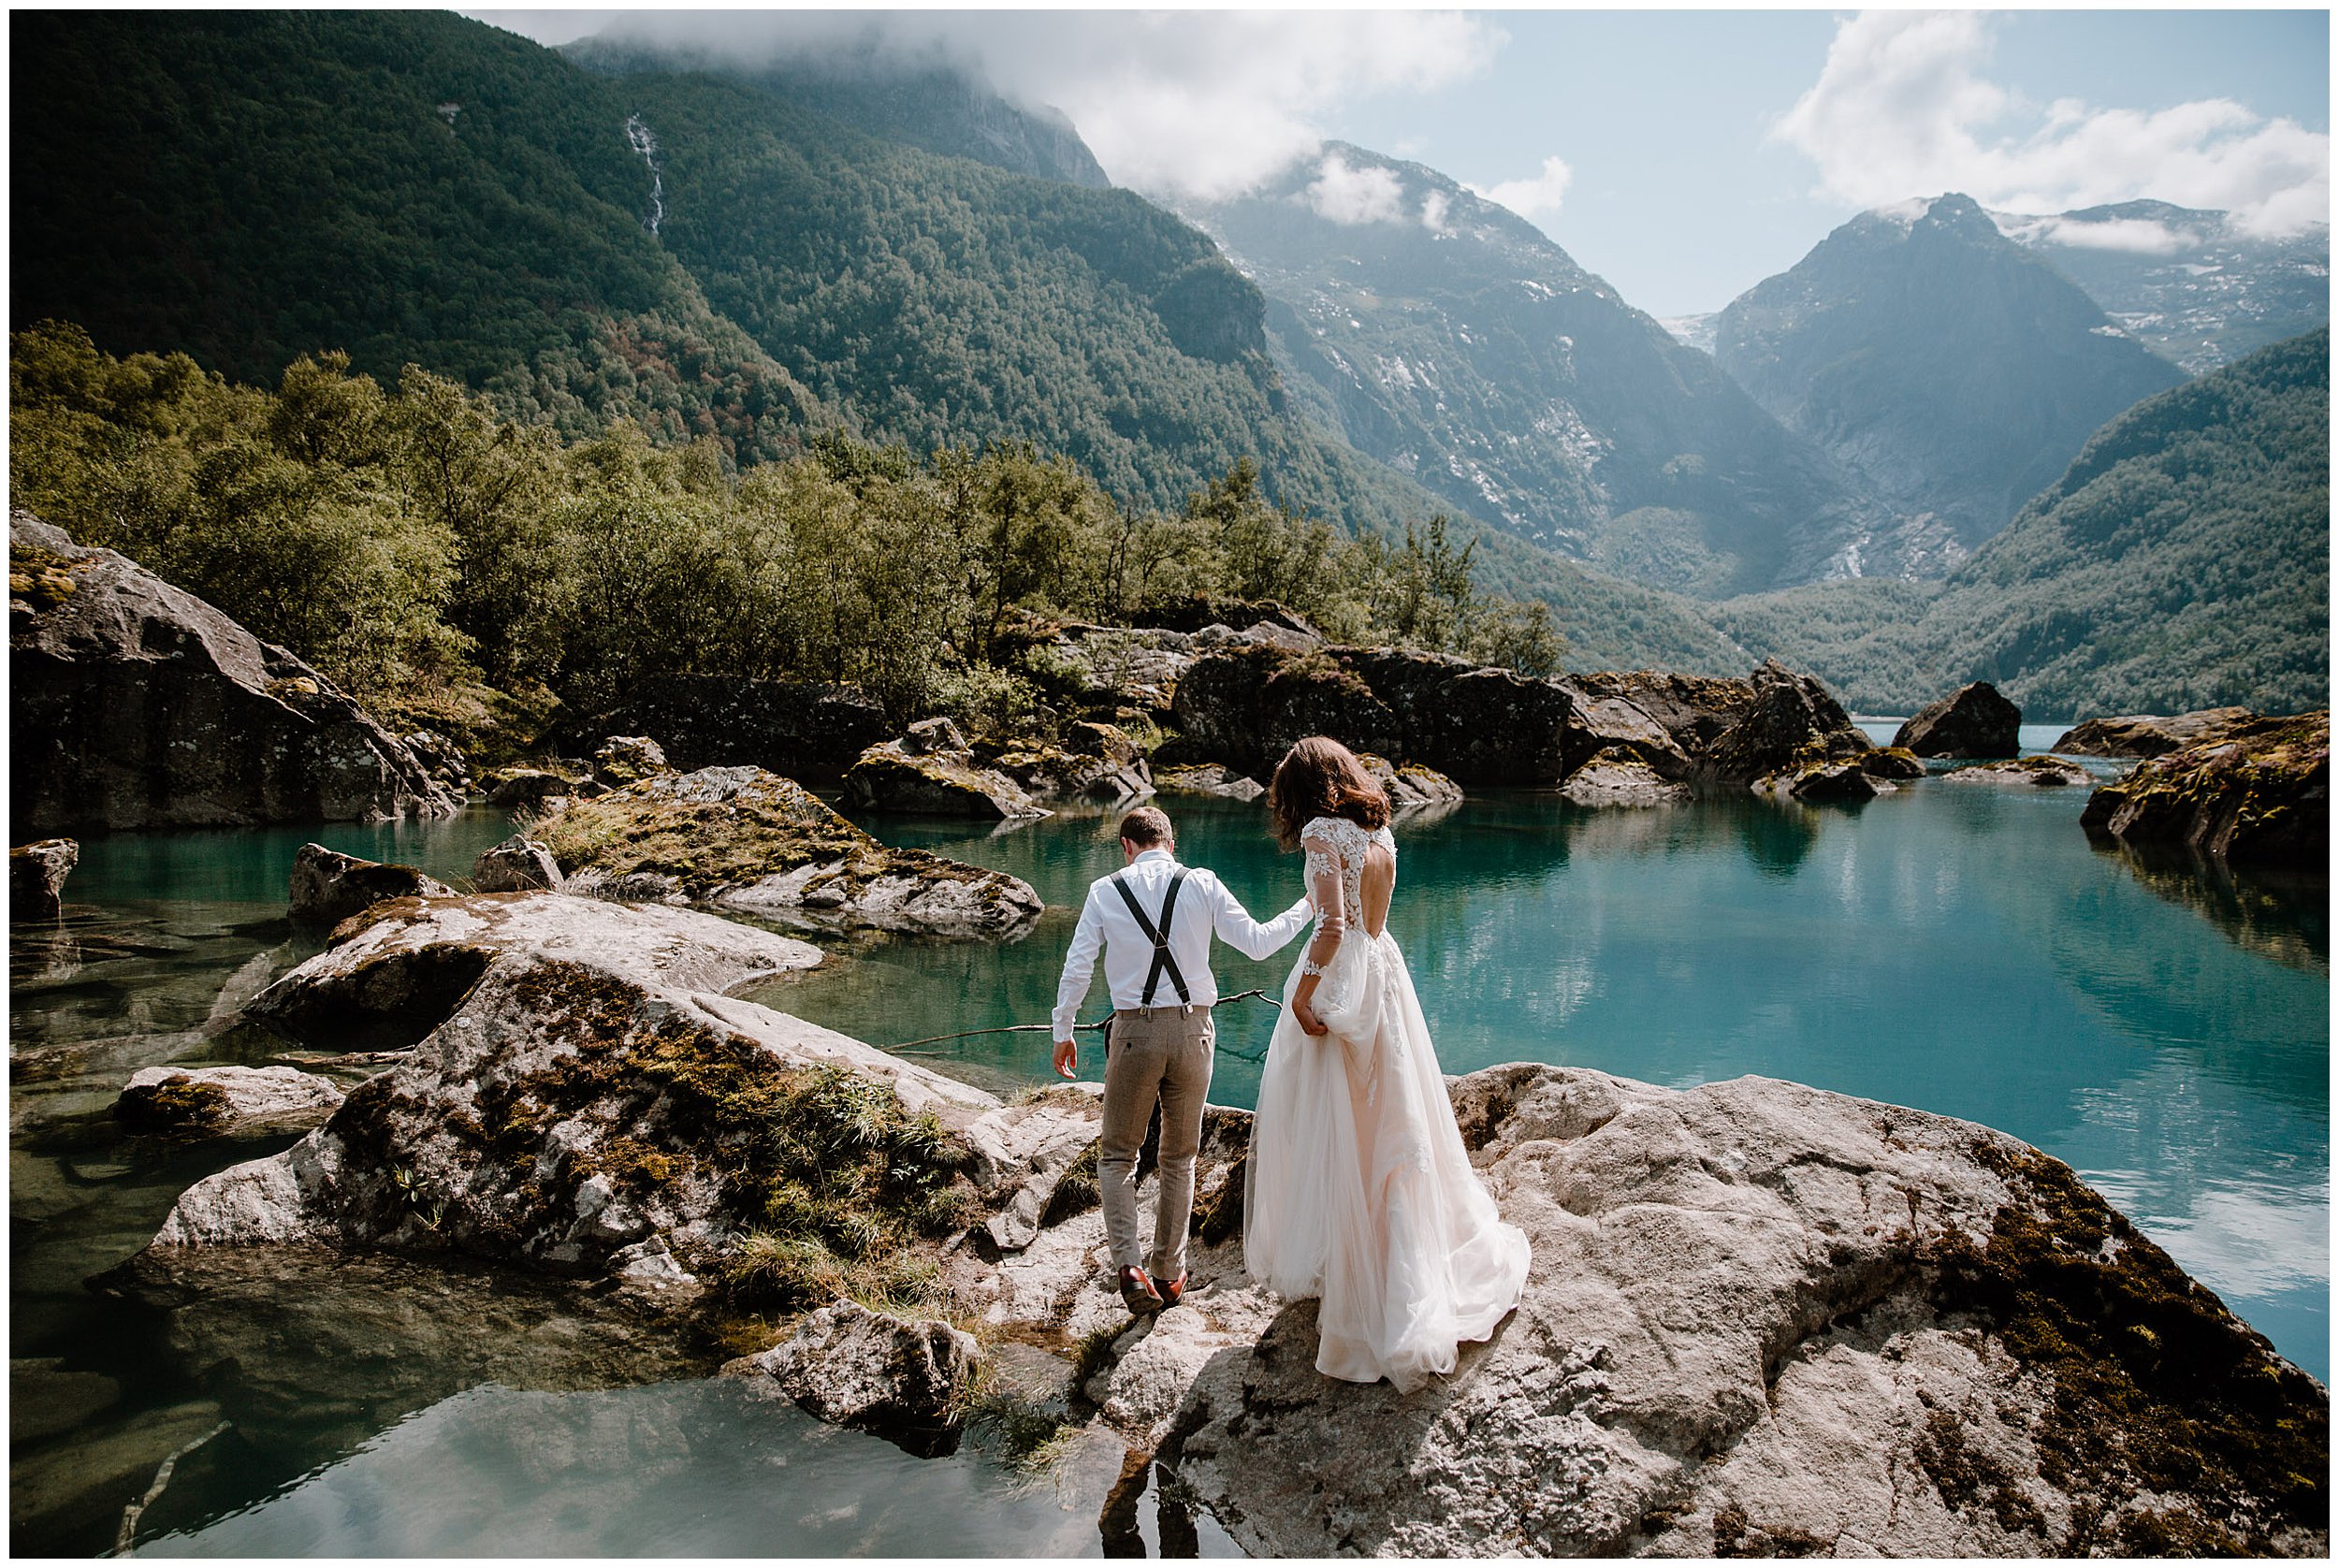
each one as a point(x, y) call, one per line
point(1309, 1023)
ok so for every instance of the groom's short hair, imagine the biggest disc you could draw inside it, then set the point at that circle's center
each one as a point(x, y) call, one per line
point(1147, 826)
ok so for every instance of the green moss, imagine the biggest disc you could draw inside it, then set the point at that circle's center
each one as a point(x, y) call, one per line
point(2156, 1387)
point(1093, 1352)
point(1076, 1191)
point(179, 1104)
point(1218, 1213)
point(42, 578)
point(1968, 1479)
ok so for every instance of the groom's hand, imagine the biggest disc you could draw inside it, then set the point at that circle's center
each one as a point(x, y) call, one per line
point(1067, 1058)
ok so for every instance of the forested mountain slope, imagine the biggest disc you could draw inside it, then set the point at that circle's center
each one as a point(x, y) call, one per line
point(2182, 561)
point(1954, 371)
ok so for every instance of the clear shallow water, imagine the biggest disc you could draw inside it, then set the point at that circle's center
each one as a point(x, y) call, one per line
point(2163, 1028)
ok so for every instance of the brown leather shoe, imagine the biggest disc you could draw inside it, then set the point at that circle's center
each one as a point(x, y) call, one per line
point(1171, 1292)
point(1138, 1293)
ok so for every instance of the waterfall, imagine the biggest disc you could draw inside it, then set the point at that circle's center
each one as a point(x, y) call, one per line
point(639, 136)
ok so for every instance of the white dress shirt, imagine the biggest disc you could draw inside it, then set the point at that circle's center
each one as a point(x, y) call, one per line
point(1204, 906)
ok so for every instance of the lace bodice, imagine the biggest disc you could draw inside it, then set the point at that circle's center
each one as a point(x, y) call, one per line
point(1337, 845)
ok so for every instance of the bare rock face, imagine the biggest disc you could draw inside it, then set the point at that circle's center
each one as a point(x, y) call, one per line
point(1207, 778)
point(741, 839)
point(1411, 787)
point(1974, 721)
point(808, 730)
point(219, 1100)
point(2259, 791)
point(1604, 722)
point(1765, 1317)
point(1792, 723)
point(2147, 735)
point(2042, 772)
point(1619, 777)
point(1098, 763)
point(135, 704)
point(36, 874)
point(518, 864)
point(328, 887)
point(931, 772)
point(860, 1368)
point(1477, 724)
point(1691, 710)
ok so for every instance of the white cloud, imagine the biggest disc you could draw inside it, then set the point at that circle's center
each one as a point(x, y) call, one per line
point(2139, 236)
point(1433, 212)
point(1901, 107)
point(1209, 103)
point(1356, 196)
point(1534, 198)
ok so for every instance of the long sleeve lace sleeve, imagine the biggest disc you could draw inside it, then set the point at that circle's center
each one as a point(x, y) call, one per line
point(1324, 891)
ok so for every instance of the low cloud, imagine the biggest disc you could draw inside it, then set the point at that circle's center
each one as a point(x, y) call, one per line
point(1356, 196)
point(1204, 103)
point(2136, 235)
point(1903, 106)
point(1534, 199)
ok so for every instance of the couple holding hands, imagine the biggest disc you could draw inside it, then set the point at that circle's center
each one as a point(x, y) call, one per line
point(1359, 1191)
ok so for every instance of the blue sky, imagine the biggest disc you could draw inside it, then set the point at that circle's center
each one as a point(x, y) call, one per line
point(1684, 155)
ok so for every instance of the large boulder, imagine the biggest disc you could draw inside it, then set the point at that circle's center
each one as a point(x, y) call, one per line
point(2259, 791)
point(859, 1368)
point(744, 840)
point(134, 704)
point(224, 1100)
point(810, 730)
point(527, 789)
point(328, 887)
point(1246, 705)
point(622, 759)
point(2146, 735)
point(36, 874)
point(1603, 722)
point(1971, 721)
point(1207, 778)
point(518, 864)
point(1411, 787)
point(1792, 725)
point(1621, 777)
point(931, 772)
point(1693, 710)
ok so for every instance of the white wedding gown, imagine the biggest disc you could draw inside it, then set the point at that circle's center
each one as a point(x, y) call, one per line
point(1360, 1192)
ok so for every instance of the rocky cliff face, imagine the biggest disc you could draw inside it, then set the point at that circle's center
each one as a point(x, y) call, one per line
point(136, 706)
point(1762, 1317)
point(1952, 371)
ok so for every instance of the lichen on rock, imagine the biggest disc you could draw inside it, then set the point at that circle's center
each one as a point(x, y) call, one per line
point(2259, 790)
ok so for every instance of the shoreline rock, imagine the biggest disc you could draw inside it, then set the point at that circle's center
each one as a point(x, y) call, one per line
point(744, 840)
point(1762, 1316)
point(807, 729)
point(931, 770)
point(2042, 772)
point(2146, 735)
point(2259, 790)
point(1974, 722)
point(225, 1101)
point(135, 704)
point(36, 874)
point(328, 887)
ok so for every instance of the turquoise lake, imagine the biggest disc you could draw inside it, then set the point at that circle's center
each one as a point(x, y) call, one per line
point(2163, 1027)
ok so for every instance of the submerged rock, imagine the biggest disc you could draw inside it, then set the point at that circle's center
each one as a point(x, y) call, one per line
point(134, 704)
point(222, 1100)
point(2042, 772)
point(328, 887)
point(1974, 721)
point(2146, 735)
point(741, 839)
point(2259, 790)
point(36, 874)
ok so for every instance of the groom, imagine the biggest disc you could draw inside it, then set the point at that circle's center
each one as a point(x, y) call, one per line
point(1154, 919)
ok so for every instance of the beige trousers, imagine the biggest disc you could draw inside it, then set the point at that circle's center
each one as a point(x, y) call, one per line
point(1154, 1055)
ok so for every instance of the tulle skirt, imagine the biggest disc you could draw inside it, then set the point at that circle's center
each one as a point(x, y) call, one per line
point(1359, 1191)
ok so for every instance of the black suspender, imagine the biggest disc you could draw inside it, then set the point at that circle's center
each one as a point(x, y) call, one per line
point(1159, 935)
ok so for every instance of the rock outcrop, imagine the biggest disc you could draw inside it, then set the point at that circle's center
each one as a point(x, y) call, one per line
point(1120, 673)
point(1692, 711)
point(1099, 763)
point(808, 730)
point(2041, 772)
point(134, 704)
point(224, 1100)
point(1974, 721)
point(1622, 777)
point(518, 864)
point(859, 1368)
point(36, 874)
point(1762, 1317)
point(1412, 787)
point(622, 759)
point(931, 770)
point(1478, 724)
point(2259, 790)
point(526, 789)
point(328, 887)
point(1791, 725)
point(2146, 735)
point(741, 839)
point(1207, 778)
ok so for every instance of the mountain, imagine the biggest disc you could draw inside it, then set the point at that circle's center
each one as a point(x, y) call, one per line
point(2190, 285)
point(1952, 371)
point(2182, 561)
point(1450, 339)
point(706, 256)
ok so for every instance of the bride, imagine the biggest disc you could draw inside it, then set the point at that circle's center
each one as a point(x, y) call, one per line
point(1359, 1190)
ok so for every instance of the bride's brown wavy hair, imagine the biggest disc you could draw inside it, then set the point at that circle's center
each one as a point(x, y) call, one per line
point(1320, 777)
